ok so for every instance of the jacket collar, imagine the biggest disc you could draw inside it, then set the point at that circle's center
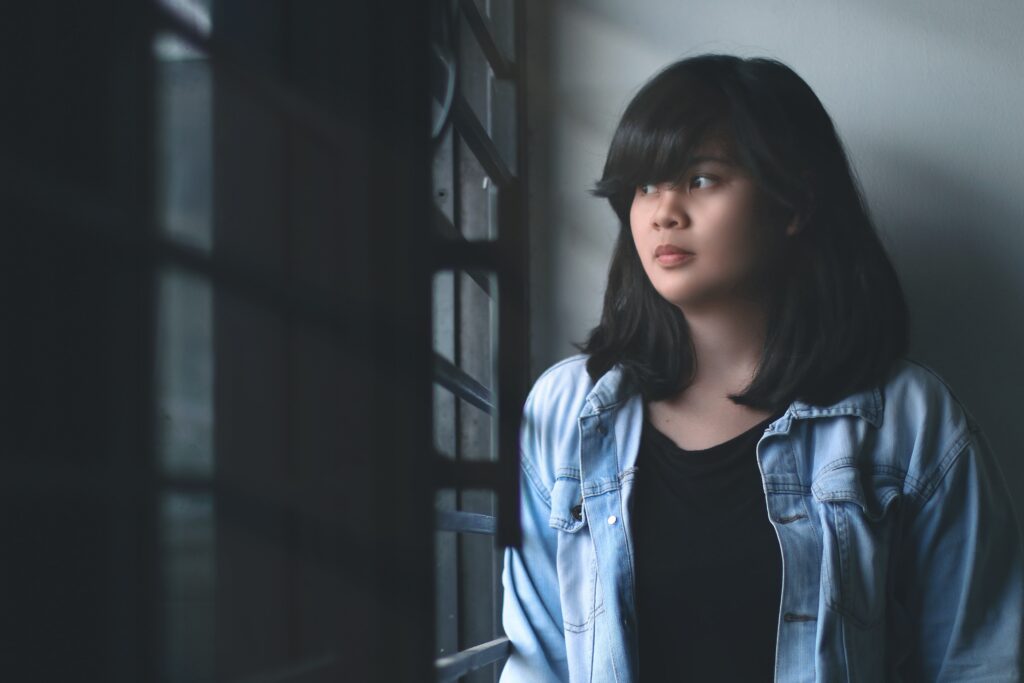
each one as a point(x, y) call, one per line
point(611, 390)
point(867, 404)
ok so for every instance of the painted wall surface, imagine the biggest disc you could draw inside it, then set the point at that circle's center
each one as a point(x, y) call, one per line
point(927, 97)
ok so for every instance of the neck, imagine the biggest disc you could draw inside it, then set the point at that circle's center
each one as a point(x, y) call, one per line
point(728, 342)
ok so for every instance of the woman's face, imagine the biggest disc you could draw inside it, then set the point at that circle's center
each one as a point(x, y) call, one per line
point(721, 219)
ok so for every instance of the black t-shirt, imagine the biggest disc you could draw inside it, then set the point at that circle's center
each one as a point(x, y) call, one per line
point(709, 569)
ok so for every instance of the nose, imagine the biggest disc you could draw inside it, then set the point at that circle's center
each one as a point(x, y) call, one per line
point(670, 212)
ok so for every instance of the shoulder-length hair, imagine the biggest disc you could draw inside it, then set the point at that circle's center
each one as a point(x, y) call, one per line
point(837, 318)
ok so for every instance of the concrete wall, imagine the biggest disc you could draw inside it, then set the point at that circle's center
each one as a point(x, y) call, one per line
point(927, 98)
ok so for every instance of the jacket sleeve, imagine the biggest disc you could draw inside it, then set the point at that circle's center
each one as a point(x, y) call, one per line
point(531, 611)
point(962, 576)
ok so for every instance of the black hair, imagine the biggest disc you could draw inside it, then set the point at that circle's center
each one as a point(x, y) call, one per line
point(837, 318)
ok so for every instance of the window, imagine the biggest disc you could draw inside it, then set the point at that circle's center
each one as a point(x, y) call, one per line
point(478, 313)
point(184, 354)
point(230, 446)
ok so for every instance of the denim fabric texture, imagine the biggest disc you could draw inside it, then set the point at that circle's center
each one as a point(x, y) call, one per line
point(901, 553)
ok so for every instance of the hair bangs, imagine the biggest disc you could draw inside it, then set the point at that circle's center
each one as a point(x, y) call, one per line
point(658, 136)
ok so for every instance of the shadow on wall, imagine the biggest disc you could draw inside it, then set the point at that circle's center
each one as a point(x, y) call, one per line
point(539, 101)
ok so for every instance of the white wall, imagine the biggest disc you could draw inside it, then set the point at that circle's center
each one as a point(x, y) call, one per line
point(927, 97)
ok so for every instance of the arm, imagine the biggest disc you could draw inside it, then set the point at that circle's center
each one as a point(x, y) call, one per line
point(532, 614)
point(962, 577)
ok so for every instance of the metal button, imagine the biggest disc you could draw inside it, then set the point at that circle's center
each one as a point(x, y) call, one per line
point(577, 512)
point(612, 519)
point(601, 429)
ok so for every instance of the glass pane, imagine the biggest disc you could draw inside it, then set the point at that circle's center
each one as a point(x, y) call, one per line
point(184, 378)
point(465, 318)
point(479, 579)
point(189, 570)
point(443, 178)
point(491, 100)
point(478, 354)
point(502, 16)
point(502, 124)
point(446, 581)
point(184, 197)
point(444, 345)
point(474, 71)
point(477, 217)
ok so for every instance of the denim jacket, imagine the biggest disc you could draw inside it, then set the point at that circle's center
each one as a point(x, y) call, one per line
point(901, 553)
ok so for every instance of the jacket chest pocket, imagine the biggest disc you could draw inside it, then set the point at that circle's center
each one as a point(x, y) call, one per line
point(576, 560)
point(859, 529)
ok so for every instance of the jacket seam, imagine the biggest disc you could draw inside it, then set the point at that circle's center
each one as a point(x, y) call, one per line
point(581, 628)
point(941, 380)
point(624, 531)
point(602, 487)
point(948, 461)
point(532, 476)
point(600, 408)
point(868, 415)
point(876, 468)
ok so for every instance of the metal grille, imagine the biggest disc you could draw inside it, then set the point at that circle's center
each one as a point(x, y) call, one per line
point(480, 323)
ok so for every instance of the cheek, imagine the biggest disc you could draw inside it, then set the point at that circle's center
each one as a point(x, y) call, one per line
point(737, 231)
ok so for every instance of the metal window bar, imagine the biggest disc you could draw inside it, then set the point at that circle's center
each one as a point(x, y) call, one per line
point(479, 142)
point(484, 32)
point(459, 664)
point(463, 474)
point(466, 522)
point(465, 255)
point(449, 232)
point(462, 385)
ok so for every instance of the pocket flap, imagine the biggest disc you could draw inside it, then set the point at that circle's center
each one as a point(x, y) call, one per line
point(568, 512)
point(873, 493)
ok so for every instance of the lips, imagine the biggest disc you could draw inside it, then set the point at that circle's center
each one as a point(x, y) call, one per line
point(669, 249)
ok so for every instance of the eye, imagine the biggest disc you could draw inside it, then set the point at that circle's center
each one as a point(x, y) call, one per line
point(698, 181)
point(702, 181)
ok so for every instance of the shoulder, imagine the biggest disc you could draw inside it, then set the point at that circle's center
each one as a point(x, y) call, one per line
point(548, 431)
point(916, 393)
point(561, 388)
point(925, 422)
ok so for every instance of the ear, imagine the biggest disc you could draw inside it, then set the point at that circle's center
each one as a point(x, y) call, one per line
point(803, 212)
point(794, 226)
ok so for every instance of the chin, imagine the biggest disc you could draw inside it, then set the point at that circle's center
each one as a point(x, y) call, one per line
point(680, 299)
point(684, 298)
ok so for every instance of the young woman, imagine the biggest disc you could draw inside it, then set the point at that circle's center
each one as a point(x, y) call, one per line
point(742, 477)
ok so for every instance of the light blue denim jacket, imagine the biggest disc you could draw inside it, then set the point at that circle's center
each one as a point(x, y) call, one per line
point(901, 554)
